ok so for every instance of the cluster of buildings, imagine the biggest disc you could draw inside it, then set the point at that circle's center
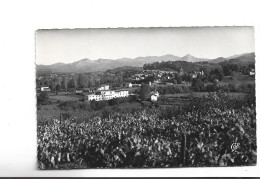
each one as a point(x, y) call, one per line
point(165, 76)
point(104, 93)
point(194, 74)
point(132, 85)
point(252, 72)
point(158, 75)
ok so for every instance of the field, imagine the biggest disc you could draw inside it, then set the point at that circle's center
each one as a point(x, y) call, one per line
point(238, 81)
point(200, 94)
point(46, 113)
point(65, 97)
point(129, 105)
point(131, 90)
point(51, 111)
point(183, 98)
point(180, 85)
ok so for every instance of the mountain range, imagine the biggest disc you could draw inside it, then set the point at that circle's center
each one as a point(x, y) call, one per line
point(87, 65)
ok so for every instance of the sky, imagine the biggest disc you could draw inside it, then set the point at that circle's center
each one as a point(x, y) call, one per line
point(69, 45)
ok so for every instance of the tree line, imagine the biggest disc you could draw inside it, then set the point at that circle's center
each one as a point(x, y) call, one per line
point(85, 80)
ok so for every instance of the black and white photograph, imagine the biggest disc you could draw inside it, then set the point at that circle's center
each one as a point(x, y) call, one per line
point(161, 97)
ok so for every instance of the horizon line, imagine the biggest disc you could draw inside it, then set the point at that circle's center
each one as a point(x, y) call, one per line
point(143, 57)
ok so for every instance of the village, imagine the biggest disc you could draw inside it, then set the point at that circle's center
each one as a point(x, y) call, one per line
point(153, 78)
point(165, 85)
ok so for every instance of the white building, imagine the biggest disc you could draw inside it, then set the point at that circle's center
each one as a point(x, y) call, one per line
point(107, 95)
point(252, 72)
point(120, 94)
point(95, 97)
point(103, 87)
point(45, 89)
point(154, 95)
point(79, 91)
point(129, 85)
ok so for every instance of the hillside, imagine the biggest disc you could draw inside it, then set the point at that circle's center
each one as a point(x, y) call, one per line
point(185, 65)
point(190, 58)
point(245, 57)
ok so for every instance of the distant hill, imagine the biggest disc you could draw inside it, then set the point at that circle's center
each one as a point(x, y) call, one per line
point(218, 60)
point(190, 58)
point(245, 57)
point(87, 65)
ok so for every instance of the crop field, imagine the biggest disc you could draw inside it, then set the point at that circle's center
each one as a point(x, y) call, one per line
point(163, 132)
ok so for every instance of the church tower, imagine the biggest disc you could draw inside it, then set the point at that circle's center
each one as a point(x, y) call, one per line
point(181, 71)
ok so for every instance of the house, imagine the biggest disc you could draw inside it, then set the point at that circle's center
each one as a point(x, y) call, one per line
point(45, 89)
point(129, 85)
point(252, 72)
point(194, 75)
point(154, 95)
point(79, 91)
point(103, 87)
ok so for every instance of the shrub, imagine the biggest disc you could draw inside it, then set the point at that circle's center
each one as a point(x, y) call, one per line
point(106, 112)
point(43, 98)
point(97, 105)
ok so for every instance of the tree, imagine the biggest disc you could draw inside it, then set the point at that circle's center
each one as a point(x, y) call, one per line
point(234, 75)
point(58, 87)
point(186, 77)
point(197, 84)
point(178, 78)
point(82, 80)
point(43, 98)
point(144, 92)
point(64, 83)
point(71, 84)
